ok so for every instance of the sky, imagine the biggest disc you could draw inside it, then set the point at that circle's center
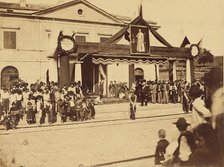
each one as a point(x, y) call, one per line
point(196, 19)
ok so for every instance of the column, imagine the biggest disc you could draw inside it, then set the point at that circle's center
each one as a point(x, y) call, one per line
point(94, 78)
point(53, 72)
point(192, 69)
point(174, 71)
point(105, 87)
point(188, 71)
point(64, 71)
point(131, 74)
point(157, 71)
point(78, 72)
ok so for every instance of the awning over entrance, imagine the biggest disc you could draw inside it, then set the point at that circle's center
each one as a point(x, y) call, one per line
point(130, 59)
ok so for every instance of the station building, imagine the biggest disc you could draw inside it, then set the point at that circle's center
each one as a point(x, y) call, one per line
point(29, 39)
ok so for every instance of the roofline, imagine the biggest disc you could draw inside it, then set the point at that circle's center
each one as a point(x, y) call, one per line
point(54, 8)
point(169, 52)
point(19, 8)
point(30, 16)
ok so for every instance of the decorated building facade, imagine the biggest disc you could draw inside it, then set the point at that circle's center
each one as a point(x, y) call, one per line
point(108, 46)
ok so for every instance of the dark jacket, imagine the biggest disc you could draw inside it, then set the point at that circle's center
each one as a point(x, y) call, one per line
point(190, 142)
point(160, 151)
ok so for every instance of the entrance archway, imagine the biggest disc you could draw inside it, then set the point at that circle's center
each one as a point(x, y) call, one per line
point(139, 74)
point(8, 74)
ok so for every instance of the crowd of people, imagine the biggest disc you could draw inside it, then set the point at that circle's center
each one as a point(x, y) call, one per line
point(200, 142)
point(118, 90)
point(44, 103)
point(153, 91)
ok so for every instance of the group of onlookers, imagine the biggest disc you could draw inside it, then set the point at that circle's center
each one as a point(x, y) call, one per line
point(201, 140)
point(40, 103)
point(161, 92)
point(118, 90)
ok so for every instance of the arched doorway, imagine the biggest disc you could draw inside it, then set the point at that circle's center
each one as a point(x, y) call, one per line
point(8, 74)
point(139, 74)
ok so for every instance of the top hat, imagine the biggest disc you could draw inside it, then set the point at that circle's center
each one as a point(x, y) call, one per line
point(181, 122)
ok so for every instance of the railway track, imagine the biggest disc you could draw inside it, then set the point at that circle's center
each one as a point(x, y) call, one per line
point(91, 124)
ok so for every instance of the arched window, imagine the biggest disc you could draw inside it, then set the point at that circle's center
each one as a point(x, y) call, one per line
point(139, 74)
point(8, 74)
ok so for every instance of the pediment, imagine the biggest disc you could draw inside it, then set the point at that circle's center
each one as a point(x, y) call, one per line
point(79, 10)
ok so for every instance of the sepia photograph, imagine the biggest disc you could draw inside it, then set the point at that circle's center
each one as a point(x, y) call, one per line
point(111, 83)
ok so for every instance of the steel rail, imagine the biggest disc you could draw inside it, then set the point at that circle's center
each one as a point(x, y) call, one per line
point(93, 124)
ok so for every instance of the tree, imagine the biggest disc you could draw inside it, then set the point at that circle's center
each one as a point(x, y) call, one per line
point(205, 57)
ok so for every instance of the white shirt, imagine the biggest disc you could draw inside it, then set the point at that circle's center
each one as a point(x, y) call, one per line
point(184, 150)
point(199, 113)
point(25, 95)
point(19, 96)
point(38, 105)
point(13, 98)
point(5, 95)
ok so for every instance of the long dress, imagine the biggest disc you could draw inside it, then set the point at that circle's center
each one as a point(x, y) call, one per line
point(140, 42)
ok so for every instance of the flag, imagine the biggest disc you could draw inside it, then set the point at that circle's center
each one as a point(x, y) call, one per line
point(201, 50)
point(185, 42)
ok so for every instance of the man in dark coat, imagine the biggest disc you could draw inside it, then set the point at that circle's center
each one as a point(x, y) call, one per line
point(144, 93)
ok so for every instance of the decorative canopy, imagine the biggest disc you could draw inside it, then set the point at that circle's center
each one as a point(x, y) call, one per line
point(109, 58)
point(137, 21)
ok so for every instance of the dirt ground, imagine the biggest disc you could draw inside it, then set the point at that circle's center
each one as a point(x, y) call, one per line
point(87, 144)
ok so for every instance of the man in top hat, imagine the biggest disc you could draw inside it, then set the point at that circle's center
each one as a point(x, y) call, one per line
point(144, 93)
point(185, 143)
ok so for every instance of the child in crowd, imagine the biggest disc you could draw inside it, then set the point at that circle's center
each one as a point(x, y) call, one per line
point(161, 148)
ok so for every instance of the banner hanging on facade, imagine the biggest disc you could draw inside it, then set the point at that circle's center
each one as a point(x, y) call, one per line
point(139, 42)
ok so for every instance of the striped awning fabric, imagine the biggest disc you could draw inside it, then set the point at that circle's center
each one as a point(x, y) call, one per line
point(129, 59)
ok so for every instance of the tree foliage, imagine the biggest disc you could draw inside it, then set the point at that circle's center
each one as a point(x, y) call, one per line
point(205, 57)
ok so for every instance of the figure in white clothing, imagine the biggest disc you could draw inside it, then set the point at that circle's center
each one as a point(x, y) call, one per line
point(140, 41)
